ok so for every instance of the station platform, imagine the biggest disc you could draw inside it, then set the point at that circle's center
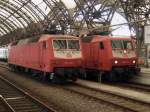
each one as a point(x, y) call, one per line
point(145, 70)
point(143, 77)
point(116, 90)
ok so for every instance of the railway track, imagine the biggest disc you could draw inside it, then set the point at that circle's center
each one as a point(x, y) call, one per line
point(133, 86)
point(4, 106)
point(14, 99)
point(124, 103)
point(127, 104)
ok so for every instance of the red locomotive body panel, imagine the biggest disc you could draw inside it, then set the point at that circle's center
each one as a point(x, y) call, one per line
point(42, 56)
point(104, 53)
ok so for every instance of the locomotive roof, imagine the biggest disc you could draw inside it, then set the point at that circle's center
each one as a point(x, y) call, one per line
point(40, 38)
point(94, 38)
point(46, 37)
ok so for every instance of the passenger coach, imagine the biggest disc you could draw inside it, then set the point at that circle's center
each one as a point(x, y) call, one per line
point(3, 53)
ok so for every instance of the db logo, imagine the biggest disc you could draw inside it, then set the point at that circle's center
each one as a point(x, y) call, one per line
point(69, 55)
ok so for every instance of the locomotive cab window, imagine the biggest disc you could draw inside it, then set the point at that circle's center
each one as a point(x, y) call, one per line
point(101, 45)
point(117, 44)
point(60, 44)
point(66, 44)
point(73, 44)
point(121, 44)
point(127, 45)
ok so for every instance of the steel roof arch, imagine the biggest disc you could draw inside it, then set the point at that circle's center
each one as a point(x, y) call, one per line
point(9, 11)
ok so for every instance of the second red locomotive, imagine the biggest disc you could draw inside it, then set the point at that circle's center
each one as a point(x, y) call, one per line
point(56, 56)
point(109, 57)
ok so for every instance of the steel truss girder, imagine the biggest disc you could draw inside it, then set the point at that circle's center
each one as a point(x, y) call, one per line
point(25, 15)
point(59, 15)
point(95, 12)
point(136, 10)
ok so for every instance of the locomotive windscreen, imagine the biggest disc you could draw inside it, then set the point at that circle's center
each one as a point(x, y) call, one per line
point(73, 44)
point(66, 48)
point(60, 44)
point(66, 44)
point(121, 44)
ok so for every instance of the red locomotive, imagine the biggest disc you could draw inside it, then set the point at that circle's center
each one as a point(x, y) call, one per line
point(109, 57)
point(56, 56)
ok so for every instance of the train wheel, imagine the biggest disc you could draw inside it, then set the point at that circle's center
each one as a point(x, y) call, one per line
point(55, 79)
point(99, 77)
point(21, 69)
point(112, 77)
point(42, 76)
point(15, 68)
point(12, 68)
point(74, 78)
point(83, 74)
point(26, 70)
point(34, 73)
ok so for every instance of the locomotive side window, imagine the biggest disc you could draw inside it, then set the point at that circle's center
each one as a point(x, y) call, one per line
point(73, 44)
point(60, 44)
point(44, 45)
point(101, 45)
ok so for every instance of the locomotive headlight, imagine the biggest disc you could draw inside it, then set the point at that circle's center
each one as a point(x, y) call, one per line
point(116, 62)
point(125, 51)
point(133, 61)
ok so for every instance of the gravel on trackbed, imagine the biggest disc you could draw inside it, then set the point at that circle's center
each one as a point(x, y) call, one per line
point(62, 100)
